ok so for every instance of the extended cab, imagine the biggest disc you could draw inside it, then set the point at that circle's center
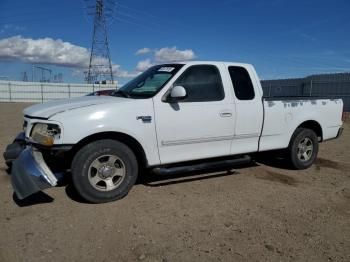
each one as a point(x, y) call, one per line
point(164, 119)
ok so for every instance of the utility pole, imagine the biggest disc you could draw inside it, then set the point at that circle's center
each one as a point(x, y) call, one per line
point(24, 76)
point(43, 70)
point(33, 76)
point(100, 66)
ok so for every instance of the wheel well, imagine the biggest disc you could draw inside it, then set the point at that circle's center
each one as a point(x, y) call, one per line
point(131, 142)
point(314, 126)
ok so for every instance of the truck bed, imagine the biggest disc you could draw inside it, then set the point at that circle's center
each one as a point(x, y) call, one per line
point(282, 115)
point(292, 98)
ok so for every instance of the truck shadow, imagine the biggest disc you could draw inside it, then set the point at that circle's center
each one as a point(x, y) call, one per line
point(35, 199)
point(152, 180)
point(272, 159)
point(73, 194)
point(275, 159)
point(149, 179)
point(7, 170)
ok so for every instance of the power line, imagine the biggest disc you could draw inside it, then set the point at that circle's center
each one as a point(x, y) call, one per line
point(131, 12)
point(135, 23)
point(137, 11)
point(132, 16)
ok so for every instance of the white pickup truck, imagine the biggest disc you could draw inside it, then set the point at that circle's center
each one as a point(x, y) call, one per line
point(172, 117)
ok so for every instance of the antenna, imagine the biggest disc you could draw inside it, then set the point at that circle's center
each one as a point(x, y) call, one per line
point(100, 66)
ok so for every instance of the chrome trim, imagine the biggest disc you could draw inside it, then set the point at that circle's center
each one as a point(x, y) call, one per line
point(244, 136)
point(196, 140)
point(207, 139)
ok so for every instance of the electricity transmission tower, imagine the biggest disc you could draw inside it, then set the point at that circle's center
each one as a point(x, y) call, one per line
point(100, 66)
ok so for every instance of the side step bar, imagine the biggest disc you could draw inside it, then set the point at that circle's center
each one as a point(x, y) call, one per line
point(202, 166)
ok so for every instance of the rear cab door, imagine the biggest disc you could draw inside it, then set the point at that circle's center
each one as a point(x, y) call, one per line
point(202, 125)
point(247, 93)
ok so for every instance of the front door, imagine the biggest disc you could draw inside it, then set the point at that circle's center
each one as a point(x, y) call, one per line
point(199, 126)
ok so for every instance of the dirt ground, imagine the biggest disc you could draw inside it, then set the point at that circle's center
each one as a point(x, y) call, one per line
point(254, 213)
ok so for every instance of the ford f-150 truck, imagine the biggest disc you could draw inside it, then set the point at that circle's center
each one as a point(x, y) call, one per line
point(172, 117)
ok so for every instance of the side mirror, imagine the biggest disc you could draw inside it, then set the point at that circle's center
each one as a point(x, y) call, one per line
point(178, 93)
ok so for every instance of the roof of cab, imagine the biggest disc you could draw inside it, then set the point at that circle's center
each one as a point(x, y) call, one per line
point(198, 62)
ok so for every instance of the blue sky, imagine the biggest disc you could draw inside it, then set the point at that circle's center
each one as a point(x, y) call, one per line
point(281, 38)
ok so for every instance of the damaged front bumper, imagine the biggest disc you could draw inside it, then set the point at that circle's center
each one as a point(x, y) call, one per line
point(13, 150)
point(30, 173)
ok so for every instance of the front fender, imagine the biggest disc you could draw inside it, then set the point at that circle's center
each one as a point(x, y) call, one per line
point(128, 119)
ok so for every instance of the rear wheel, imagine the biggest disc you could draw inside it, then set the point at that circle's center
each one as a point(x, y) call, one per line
point(104, 171)
point(303, 148)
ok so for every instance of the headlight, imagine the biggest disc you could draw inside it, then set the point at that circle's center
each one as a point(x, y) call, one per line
point(45, 134)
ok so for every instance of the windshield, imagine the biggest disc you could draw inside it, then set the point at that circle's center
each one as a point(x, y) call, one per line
point(149, 82)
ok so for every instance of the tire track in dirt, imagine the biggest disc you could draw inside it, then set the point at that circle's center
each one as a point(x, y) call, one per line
point(277, 177)
point(322, 162)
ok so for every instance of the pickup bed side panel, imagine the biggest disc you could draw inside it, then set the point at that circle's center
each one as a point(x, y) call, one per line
point(282, 117)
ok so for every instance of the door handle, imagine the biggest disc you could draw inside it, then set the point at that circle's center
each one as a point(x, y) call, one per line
point(225, 114)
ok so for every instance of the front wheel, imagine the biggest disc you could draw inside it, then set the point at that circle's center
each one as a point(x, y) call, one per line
point(104, 171)
point(303, 148)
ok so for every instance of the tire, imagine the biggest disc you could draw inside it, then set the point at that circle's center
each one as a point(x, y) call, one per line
point(104, 171)
point(303, 148)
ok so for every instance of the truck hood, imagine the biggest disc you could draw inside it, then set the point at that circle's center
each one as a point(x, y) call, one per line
point(50, 109)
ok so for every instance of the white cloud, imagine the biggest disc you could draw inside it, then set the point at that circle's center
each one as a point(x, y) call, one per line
point(162, 55)
point(43, 50)
point(167, 54)
point(143, 51)
point(144, 65)
point(57, 52)
point(119, 72)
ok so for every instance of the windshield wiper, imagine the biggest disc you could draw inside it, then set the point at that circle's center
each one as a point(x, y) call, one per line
point(123, 93)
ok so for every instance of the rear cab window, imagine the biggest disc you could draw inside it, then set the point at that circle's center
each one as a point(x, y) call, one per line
point(242, 83)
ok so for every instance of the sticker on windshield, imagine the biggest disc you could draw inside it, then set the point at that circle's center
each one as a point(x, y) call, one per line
point(166, 69)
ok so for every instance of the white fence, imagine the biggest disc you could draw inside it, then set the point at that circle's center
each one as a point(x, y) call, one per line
point(16, 91)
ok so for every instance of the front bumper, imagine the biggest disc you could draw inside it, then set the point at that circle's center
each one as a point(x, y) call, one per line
point(13, 150)
point(30, 173)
